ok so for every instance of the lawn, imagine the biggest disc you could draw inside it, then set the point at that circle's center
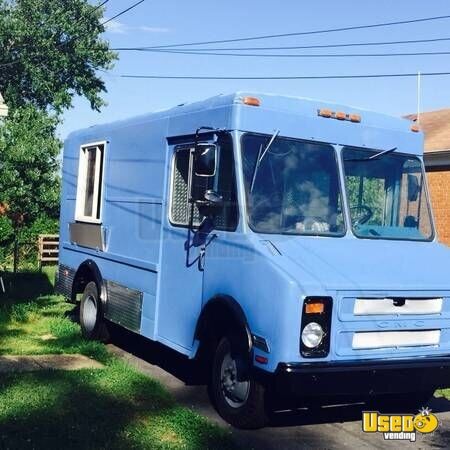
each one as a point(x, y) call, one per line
point(114, 407)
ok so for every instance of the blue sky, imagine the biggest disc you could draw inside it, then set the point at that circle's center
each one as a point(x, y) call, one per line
point(171, 21)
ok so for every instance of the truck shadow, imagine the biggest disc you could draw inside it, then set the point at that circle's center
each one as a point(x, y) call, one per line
point(181, 367)
point(189, 372)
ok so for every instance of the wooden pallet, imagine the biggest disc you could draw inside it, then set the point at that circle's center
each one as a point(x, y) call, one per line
point(48, 249)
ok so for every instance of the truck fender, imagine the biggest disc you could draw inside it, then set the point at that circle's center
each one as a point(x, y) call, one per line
point(219, 309)
point(89, 271)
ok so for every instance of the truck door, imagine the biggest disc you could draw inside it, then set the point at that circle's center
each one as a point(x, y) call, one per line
point(182, 264)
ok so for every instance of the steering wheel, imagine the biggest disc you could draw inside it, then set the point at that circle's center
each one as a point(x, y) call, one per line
point(365, 214)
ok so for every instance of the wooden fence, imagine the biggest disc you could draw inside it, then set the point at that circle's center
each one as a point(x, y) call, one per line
point(48, 249)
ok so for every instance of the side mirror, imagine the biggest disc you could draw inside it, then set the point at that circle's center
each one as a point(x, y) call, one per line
point(413, 187)
point(213, 198)
point(211, 204)
point(205, 160)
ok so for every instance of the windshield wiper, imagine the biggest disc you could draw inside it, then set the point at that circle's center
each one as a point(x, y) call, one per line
point(372, 157)
point(261, 155)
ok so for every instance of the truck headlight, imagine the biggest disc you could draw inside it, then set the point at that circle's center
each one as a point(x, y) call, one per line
point(315, 329)
point(312, 335)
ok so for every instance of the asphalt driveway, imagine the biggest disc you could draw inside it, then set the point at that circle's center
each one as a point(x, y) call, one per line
point(325, 428)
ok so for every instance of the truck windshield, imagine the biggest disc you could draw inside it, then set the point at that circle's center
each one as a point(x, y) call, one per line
point(294, 188)
point(386, 195)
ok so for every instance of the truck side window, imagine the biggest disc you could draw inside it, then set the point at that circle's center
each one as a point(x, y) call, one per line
point(224, 183)
point(89, 187)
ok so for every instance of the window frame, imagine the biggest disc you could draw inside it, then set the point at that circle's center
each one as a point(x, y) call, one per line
point(342, 192)
point(99, 181)
point(426, 191)
point(190, 147)
point(178, 148)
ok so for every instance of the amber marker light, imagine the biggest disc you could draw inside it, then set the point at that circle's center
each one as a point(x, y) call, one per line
point(340, 115)
point(251, 101)
point(315, 307)
point(415, 128)
point(355, 118)
point(325, 113)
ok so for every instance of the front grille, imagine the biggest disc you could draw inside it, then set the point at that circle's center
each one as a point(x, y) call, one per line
point(399, 325)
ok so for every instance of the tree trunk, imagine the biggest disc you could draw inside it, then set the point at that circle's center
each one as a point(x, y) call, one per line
point(16, 254)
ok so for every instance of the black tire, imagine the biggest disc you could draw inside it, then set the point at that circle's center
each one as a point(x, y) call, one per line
point(93, 326)
point(409, 402)
point(248, 411)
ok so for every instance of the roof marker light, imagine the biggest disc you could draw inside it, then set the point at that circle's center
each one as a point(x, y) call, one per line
point(325, 113)
point(339, 115)
point(251, 101)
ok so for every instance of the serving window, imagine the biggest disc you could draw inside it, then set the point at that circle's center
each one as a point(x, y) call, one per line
point(90, 181)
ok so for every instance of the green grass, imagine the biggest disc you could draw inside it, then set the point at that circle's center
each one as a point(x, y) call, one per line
point(443, 393)
point(110, 408)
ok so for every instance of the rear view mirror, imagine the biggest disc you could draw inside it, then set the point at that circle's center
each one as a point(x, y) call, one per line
point(205, 160)
point(413, 188)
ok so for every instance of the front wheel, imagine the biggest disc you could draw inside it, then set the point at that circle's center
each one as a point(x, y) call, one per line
point(92, 324)
point(238, 398)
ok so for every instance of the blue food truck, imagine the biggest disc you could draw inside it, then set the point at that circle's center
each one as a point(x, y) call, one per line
point(286, 243)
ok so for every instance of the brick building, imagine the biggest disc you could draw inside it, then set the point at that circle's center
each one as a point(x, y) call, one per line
point(436, 126)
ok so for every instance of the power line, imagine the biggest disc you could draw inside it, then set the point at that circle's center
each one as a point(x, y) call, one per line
point(301, 77)
point(123, 12)
point(295, 47)
point(296, 55)
point(95, 8)
point(304, 33)
point(82, 19)
point(79, 21)
point(99, 6)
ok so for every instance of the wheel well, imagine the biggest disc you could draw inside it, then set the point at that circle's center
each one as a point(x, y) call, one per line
point(87, 272)
point(220, 316)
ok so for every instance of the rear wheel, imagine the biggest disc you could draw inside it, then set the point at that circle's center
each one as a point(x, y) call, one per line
point(91, 315)
point(238, 398)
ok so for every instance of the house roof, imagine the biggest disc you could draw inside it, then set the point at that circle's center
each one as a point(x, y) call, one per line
point(436, 126)
point(3, 107)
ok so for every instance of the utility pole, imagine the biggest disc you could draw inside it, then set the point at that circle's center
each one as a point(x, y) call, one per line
point(419, 93)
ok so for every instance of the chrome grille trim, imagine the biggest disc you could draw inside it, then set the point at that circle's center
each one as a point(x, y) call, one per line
point(387, 306)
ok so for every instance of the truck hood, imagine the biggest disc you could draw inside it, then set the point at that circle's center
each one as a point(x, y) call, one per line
point(364, 264)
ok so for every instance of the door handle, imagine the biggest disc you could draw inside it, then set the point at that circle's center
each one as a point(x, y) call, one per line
point(202, 252)
point(201, 259)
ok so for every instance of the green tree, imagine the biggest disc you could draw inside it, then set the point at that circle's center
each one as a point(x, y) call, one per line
point(51, 50)
point(29, 180)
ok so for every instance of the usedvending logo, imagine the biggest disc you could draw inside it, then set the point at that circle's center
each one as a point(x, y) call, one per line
point(400, 427)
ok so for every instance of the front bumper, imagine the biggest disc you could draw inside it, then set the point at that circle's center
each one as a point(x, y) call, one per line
point(363, 378)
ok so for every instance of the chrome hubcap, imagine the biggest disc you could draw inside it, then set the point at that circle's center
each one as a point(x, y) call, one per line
point(235, 392)
point(90, 313)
